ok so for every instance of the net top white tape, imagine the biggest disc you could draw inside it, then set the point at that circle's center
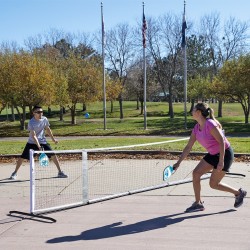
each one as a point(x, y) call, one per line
point(112, 148)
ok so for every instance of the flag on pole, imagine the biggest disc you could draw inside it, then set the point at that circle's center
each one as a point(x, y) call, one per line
point(144, 28)
point(183, 31)
point(103, 28)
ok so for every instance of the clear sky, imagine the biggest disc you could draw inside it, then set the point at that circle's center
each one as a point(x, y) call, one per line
point(20, 19)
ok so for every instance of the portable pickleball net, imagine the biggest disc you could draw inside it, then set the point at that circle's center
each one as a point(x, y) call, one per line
point(100, 174)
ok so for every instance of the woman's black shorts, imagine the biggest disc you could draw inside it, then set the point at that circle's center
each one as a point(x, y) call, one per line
point(28, 146)
point(214, 159)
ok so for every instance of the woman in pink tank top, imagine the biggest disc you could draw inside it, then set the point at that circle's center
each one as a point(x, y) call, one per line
point(208, 132)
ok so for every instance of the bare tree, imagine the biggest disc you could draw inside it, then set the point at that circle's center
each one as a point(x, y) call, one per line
point(119, 52)
point(33, 42)
point(165, 46)
point(224, 43)
point(234, 40)
point(134, 88)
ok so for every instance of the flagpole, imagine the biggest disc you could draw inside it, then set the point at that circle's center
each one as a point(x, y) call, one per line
point(184, 26)
point(144, 27)
point(103, 70)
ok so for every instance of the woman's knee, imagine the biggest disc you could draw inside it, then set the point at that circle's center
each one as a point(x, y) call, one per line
point(213, 184)
point(202, 168)
point(196, 174)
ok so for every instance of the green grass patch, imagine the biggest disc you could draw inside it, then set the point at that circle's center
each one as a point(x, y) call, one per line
point(158, 121)
point(240, 145)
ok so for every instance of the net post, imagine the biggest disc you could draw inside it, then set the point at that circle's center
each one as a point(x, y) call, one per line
point(85, 176)
point(32, 181)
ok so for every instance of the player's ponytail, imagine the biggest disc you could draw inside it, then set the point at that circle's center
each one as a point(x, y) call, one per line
point(207, 111)
point(211, 116)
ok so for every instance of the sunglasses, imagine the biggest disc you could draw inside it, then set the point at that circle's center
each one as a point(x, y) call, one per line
point(38, 112)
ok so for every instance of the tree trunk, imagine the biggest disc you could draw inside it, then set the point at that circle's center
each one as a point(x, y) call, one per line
point(246, 118)
point(142, 102)
point(73, 114)
point(13, 118)
point(220, 108)
point(49, 111)
point(111, 106)
point(30, 111)
point(246, 109)
point(137, 103)
point(84, 108)
point(120, 104)
point(7, 114)
point(171, 110)
point(61, 113)
point(23, 118)
point(192, 106)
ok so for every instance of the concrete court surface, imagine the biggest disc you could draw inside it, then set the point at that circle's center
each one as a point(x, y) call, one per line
point(147, 221)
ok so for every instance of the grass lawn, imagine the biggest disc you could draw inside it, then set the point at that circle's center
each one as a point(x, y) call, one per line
point(240, 145)
point(158, 124)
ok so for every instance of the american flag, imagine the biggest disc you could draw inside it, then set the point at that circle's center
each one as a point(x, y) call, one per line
point(183, 32)
point(103, 27)
point(144, 28)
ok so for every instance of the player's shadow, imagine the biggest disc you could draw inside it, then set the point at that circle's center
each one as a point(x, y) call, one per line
point(7, 180)
point(117, 229)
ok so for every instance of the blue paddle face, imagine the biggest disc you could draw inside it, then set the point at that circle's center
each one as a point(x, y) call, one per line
point(43, 160)
point(167, 172)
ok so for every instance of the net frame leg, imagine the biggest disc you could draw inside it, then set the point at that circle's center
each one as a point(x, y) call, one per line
point(32, 181)
point(85, 177)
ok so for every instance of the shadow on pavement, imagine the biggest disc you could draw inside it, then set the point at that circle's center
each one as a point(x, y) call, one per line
point(117, 229)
